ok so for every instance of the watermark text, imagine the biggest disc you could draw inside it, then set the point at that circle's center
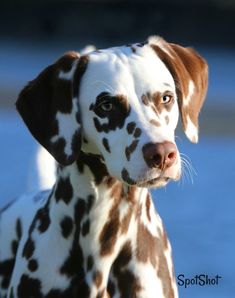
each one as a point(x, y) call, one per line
point(198, 280)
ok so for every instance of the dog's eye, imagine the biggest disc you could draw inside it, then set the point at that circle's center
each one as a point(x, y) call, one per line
point(167, 98)
point(106, 106)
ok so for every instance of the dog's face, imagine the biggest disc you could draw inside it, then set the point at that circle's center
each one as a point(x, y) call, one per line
point(122, 103)
point(127, 100)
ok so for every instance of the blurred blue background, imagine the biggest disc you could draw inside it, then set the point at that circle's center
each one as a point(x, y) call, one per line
point(199, 215)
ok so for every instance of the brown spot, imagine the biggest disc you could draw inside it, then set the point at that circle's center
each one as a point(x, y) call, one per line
point(108, 235)
point(131, 194)
point(148, 204)
point(97, 277)
point(126, 177)
point(167, 120)
point(130, 149)
point(117, 190)
point(155, 122)
point(151, 249)
point(137, 132)
point(110, 181)
point(147, 246)
point(106, 144)
point(130, 127)
point(131, 200)
point(145, 100)
point(126, 220)
point(128, 283)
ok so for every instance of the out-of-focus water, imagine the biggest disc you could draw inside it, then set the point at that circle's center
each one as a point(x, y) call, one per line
point(199, 217)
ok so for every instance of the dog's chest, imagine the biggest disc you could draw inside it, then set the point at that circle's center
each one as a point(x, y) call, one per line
point(86, 247)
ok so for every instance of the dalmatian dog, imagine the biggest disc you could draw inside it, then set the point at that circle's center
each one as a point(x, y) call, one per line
point(108, 118)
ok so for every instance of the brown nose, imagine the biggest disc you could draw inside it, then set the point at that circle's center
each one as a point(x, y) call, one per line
point(160, 155)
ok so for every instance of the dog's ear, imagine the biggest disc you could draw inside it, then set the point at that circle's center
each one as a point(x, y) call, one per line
point(190, 73)
point(49, 107)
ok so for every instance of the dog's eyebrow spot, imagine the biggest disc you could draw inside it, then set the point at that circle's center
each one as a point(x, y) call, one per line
point(116, 117)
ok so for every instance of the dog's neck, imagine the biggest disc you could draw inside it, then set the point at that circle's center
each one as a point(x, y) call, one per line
point(88, 177)
point(95, 212)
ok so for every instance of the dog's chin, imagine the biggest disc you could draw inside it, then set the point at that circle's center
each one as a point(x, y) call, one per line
point(154, 183)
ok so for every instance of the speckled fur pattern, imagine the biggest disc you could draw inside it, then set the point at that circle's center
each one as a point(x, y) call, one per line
point(96, 233)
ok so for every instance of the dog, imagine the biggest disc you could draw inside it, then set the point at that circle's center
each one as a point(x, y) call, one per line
point(108, 118)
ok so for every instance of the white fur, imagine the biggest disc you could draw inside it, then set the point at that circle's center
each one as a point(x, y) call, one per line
point(191, 130)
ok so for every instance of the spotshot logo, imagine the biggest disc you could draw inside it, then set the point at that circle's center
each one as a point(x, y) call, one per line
point(198, 280)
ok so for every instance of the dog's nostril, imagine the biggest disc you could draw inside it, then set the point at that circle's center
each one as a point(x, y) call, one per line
point(159, 155)
point(171, 155)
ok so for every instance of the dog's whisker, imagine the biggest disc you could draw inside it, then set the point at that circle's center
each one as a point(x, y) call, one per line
point(187, 169)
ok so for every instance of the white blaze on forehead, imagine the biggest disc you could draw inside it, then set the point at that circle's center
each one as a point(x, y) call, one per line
point(66, 125)
point(191, 88)
point(191, 130)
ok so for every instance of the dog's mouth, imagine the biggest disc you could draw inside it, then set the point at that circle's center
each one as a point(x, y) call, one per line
point(151, 180)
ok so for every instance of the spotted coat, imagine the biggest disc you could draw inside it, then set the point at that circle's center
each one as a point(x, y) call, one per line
point(108, 118)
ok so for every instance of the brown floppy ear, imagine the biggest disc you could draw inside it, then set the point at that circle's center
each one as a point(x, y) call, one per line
point(190, 73)
point(49, 107)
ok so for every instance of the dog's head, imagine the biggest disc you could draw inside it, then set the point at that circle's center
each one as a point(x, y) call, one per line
point(122, 103)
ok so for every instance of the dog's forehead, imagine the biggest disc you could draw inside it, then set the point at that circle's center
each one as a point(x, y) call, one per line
point(128, 69)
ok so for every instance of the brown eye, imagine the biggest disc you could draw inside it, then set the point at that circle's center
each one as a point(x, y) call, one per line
point(106, 106)
point(166, 98)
